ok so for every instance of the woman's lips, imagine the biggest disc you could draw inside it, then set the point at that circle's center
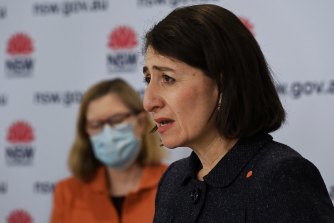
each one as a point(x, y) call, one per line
point(163, 124)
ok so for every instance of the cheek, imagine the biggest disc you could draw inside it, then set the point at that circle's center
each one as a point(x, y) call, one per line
point(137, 132)
point(137, 129)
point(187, 105)
point(196, 106)
point(183, 101)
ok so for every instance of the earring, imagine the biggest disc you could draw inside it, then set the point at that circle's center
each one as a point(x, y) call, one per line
point(220, 106)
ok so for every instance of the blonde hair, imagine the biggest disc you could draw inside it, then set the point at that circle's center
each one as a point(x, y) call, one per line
point(82, 162)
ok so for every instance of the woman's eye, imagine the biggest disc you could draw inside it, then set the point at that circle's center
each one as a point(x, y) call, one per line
point(147, 79)
point(167, 79)
point(95, 125)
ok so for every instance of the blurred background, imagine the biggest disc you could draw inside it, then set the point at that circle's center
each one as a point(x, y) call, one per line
point(52, 51)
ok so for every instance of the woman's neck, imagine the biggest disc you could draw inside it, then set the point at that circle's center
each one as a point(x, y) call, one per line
point(121, 182)
point(212, 153)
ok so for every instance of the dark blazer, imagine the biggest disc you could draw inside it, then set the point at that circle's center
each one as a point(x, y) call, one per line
point(258, 180)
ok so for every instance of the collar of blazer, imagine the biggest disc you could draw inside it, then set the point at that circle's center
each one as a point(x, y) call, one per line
point(231, 165)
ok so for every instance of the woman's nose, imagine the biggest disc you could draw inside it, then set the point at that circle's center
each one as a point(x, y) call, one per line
point(152, 99)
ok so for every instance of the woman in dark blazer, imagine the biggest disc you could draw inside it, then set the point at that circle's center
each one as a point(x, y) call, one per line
point(209, 88)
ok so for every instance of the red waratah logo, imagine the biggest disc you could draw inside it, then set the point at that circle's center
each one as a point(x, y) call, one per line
point(20, 132)
point(19, 216)
point(122, 37)
point(248, 24)
point(20, 44)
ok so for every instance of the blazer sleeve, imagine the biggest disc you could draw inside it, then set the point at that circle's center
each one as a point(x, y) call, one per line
point(297, 194)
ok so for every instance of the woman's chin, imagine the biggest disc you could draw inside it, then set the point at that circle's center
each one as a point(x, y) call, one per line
point(168, 146)
point(171, 144)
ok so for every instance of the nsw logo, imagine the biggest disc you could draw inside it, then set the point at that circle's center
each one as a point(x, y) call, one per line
point(19, 216)
point(20, 135)
point(19, 62)
point(122, 42)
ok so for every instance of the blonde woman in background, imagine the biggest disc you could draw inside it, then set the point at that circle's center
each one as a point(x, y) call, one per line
point(115, 160)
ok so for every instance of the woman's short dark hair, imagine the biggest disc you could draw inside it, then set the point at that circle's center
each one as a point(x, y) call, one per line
point(215, 41)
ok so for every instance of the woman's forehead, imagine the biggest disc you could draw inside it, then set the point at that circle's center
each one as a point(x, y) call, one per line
point(106, 105)
point(157, 61)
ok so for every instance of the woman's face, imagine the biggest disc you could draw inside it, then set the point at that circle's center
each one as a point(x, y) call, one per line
point(181, 99)
point(110, 109)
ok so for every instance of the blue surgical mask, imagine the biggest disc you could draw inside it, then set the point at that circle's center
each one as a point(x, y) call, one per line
point(117, 146)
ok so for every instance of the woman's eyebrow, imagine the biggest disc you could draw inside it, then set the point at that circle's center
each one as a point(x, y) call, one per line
point(159, 68)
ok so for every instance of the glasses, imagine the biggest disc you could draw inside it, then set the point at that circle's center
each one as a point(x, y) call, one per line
point(94, 127)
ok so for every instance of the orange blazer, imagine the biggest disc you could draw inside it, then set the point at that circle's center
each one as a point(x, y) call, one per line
point(78, 202)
